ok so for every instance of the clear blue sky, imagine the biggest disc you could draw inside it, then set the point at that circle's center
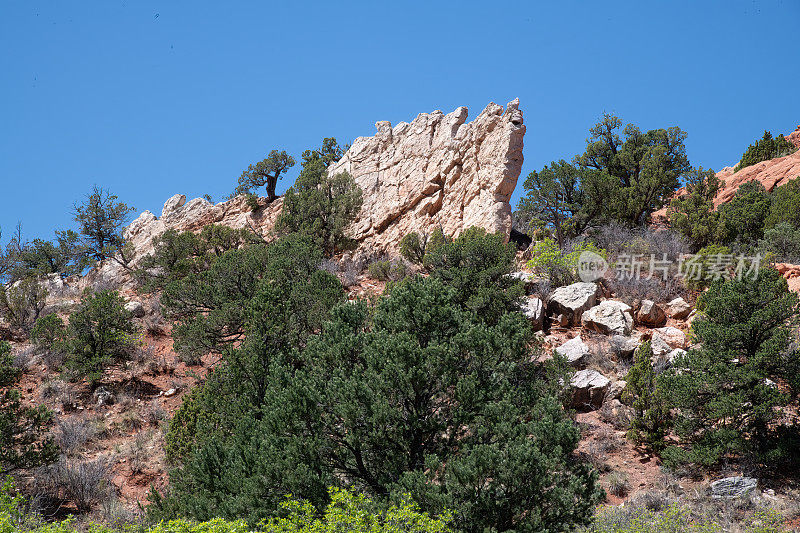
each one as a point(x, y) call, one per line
point(152, 98)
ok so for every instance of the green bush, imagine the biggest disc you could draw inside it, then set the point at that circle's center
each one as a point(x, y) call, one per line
point(476, 265)
point(724, 391)
point(785, 205)
point(176, 255)
point(388, 270)
point(767, 148)
point(22, 303)
point(782, 242)
point(49, 334)
point(742, 219)
point(321, 206)
point(650, 421)
point(412, 395)
point(99, 332)
point(693, 214)
point(559, 266)
point(707, 265)
point(23, 443)
point(415, 246)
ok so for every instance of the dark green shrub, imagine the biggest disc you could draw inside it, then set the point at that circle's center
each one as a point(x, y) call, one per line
point(321, 206)
point(743, 217)
point(22, 303)
point(415, 395)
point(650, 421)
point(785, 206)
point(99, 332)
point(476, 265)
point(49, 334)
point(693, 214)
point(768, 147)
point(782, 243)
point(176, 255)
point(394, 270)
point(23, 439)
point(724, 391)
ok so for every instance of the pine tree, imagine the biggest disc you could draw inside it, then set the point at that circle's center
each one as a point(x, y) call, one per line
point(23, 439)
point(651, 416)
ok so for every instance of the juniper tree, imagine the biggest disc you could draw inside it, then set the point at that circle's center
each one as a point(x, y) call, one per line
point(101, 220)
point(266, 172)
point(725, 391)
point(23, 439)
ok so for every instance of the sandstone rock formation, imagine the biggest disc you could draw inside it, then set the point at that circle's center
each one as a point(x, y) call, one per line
point(437, 171)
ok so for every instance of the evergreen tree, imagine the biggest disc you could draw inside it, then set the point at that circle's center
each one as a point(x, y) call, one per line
point(693, 214)
point(725, 390)
point(743, 217)
point(785, 207)
point(321, 206)
point(23, 439)
point(266, 172)
point(415, 395)
point(767, 148)
point(651, 416)
point(633, 175)
point(100, 331)
point(477, 266)
point(101, 220)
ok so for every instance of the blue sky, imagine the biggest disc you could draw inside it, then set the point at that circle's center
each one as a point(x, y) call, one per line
point(151, 98)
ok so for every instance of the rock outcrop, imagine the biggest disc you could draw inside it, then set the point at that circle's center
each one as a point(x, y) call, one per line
point(437, 171)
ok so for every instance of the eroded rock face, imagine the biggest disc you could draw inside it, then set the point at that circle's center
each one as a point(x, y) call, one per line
point(437, 171)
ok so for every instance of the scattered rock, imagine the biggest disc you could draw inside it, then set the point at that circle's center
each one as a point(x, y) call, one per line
point(672, 336)
point(659, 347)
point(625, 346)
point(616, 389)
point(170, 393)
point(533, 309)
point(571, 301)
point(650, 314)
point(575, 350)
point(135, 308)
point(609, 317)
point(678, 308)
point(733, 487)
point(103, 396)
point(589, 388)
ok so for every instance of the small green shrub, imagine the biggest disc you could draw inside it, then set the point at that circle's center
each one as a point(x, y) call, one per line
point(651, 416)
point(559, 266)
point(785, 205)
point(415, 246)
point(676, 518)
point(100, 331)
point(388, 270)
point(767, 148)
point(49, 334)
point(710, 263)
point(22, 303)
point(781, 241)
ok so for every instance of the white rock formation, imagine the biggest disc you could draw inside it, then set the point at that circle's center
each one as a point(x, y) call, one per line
point(575, 350)
point(437, 171)
point(571, 301)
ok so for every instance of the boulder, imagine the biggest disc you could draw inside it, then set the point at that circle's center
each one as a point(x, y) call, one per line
point(533, 309)
point(575, 350)
point(678, 308)
point(616, 389)
point(625, 346)
point(589, 389)
point(609, 317)
point(733, 487)
point(571, 301)
point(674, 337)
point(135, 308)
point(650, 314)
point(659, 347)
